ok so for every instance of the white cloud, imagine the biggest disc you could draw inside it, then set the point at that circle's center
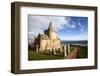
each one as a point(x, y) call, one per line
point(82, 27)
point(37, 24)
point(73, 26)
point(79, 24)
point(70, 24)
point(82, 36)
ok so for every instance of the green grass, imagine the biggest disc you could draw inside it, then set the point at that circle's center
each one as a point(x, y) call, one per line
point(83, 53)
point(32, 55)
point(71, 49)
point(40, 56)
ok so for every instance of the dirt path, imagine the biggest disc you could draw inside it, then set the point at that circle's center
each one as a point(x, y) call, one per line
point(74, 54)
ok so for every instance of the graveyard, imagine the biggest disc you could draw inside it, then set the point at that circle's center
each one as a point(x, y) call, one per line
point(67, 53)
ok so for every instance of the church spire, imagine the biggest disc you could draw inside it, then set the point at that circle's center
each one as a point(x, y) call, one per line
point(50, 27)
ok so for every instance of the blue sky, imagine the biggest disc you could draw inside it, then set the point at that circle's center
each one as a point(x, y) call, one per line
point(75, 29)
point(67, 27)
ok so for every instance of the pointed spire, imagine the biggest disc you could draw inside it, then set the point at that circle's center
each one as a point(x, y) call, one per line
point(50, 26)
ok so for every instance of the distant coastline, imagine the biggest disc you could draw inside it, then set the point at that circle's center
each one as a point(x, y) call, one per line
point(80, 42)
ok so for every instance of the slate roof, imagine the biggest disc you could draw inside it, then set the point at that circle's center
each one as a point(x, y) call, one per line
point(44, 37)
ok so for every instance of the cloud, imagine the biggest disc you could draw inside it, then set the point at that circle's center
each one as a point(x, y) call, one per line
point(82, 27)
point(70, 23)
point(82, 36)
point(37, 24)
point(79, 23)
point(73, 26)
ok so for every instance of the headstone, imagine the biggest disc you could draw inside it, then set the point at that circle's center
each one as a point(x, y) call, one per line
point(68, 48)
point(54, 51)
point(50, 49)
point(65, 51)
point(37, 50)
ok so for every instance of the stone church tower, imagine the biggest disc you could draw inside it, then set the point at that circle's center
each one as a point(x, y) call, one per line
point(50, 32)
point(48, 40)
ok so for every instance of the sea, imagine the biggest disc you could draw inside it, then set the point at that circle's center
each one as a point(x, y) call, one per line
point(81, 43)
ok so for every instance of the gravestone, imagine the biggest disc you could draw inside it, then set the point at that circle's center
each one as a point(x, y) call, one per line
point(65, 51)
point(54, 51)
point(68, 48)
point(37, 50)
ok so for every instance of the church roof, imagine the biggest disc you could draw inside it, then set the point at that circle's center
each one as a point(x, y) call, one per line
point(43, 37)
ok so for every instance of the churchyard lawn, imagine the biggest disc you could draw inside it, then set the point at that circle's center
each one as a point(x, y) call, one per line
point(32, 55)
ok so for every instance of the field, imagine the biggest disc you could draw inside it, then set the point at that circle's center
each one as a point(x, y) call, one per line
point(32, 55)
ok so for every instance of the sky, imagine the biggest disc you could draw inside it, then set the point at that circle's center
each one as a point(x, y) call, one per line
point(67, 27)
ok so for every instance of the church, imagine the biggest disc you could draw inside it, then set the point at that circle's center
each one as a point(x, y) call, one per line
point(48, 40)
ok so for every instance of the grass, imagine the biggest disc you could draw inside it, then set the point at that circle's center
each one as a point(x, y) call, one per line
point(71, 49)
point(32, 55)
point(83, 53)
